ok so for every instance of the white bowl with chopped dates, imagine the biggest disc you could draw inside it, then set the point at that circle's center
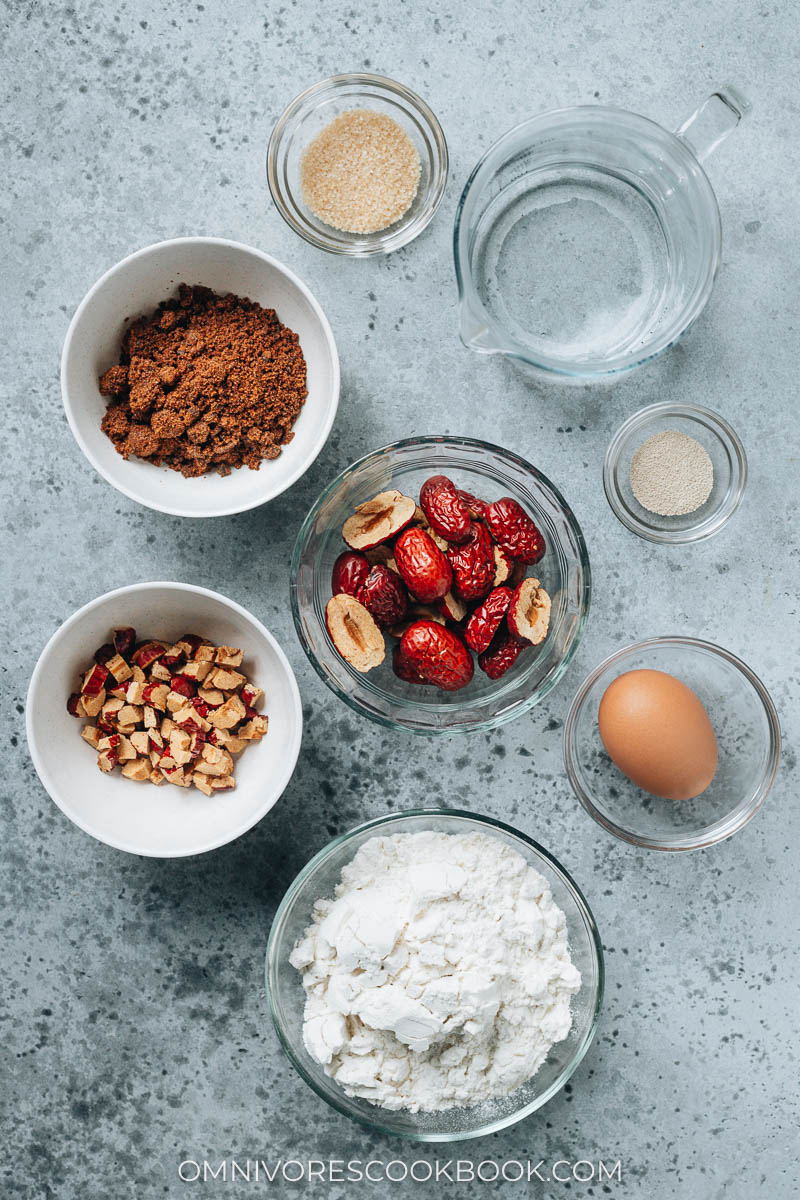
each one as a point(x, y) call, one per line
point(96, 342)
point(164, 719)
point(440, 585)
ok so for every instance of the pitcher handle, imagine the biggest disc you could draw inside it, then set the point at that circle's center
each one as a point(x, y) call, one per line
point(711, 123)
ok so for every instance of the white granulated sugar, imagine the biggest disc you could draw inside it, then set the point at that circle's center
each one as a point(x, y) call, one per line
point(671, 474)
point(439, 975)
point(361, 173)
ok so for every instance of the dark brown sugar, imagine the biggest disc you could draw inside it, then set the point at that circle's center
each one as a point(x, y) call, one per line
point(205, 383)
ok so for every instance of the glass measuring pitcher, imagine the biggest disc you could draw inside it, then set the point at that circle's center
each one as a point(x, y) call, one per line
point(587, 239)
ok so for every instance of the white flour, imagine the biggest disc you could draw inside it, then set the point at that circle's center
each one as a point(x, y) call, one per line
point(440, 974)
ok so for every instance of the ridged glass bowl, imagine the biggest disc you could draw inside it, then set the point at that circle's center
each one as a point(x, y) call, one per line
point(718, 439)
point(308, 114)
point(486, 471)
point(287, 998)
point(748, 737)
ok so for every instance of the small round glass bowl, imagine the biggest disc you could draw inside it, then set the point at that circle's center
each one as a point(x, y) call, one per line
point(307, 116)
point(724, 449)
point(486, 471)
point(286, 997)
point(748, 739)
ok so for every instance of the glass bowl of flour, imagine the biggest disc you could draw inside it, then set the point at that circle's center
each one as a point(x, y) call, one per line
point(435, 975)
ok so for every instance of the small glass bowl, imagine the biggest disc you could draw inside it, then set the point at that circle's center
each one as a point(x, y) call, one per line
point(724, 449)
point(486, 471)
point(287, 998)
point(748, 739)
point(316, 107)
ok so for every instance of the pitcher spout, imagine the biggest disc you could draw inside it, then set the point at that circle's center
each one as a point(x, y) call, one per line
point(475, 333)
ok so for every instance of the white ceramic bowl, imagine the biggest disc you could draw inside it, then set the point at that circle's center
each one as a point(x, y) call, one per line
point(162, 822)
point(136, 286)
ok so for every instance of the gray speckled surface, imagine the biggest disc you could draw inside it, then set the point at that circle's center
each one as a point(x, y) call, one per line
point(134, 1025)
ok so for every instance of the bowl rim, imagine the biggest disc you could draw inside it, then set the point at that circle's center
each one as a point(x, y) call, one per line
point(708, 835)
point(459, 815)
point(380, 242)
point(726, 435)
point(51, 786)
point(71, 405)
point(512, 711)
point(549, 365)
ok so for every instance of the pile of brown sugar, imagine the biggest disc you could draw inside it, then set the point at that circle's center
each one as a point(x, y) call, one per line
point(205, 383)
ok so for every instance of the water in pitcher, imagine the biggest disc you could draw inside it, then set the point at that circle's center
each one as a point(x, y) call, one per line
point(572, 262)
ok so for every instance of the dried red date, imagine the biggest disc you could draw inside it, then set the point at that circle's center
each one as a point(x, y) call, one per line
point(452, 609)
point(378, 519)
point(403, 668)
point(514, 531)
point(183, 686)
point(193, 641)
point(503, 566)
point(354, 632)
point(444, 508)
point(529, 612)
point(473, 565)
point(146, 654)
point(124, 640)
point(436, 654)
point(418, 612)
point(487, 619)
point(95, 681)
point(477, 508)
point(422, 566)
point(384, 596)
point(173, 658)
point(349, 572)
point(500, 656)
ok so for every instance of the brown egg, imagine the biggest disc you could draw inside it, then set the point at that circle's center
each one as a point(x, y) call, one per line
point(658, 733)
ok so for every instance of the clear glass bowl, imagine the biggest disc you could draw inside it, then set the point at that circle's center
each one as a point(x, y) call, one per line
point(316, 107)
point(587, 240)
point(486, 471)
point(748, 738)
point(286, 997)
point(723, 447)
